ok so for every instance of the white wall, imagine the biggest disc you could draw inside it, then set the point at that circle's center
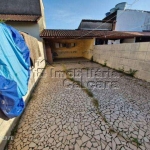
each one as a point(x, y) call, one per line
point(131, 40)
point(147, 22)
point(113, 42)
point(41, 22)
point(29, 27)
point(32, 28)
point(131, 20)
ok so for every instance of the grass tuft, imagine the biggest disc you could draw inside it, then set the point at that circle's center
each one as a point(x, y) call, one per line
point(132, 72)
point(111, 130)
point(91, 59)
point(105, 119)
point(95, 102)
point(71, 79)
point(135, 140)
point(90, 94)
point(105, 64)
point(121, 69)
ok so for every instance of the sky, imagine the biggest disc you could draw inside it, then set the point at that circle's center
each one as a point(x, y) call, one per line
point(67, 14)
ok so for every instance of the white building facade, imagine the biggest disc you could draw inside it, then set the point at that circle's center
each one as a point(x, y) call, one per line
point(132, 20)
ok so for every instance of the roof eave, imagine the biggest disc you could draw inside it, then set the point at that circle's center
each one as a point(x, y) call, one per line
point(44, 37)
point(21, 19)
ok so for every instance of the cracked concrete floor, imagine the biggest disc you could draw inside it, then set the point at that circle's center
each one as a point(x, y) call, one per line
point(61, 116)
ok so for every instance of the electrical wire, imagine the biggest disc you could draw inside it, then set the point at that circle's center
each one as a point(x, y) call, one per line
point(107, 21)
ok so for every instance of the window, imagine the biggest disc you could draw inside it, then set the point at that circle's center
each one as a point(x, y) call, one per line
point(73, 44)
point(57, 45)
point(100, 41)
point(65, 45)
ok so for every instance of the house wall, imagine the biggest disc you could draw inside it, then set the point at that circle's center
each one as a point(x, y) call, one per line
point(82, 47)
point(130, 55)
point(132, 20)
point(95, 25)
point(88, 49)
point(32, 28)
point(41, 22)
point(6, 126)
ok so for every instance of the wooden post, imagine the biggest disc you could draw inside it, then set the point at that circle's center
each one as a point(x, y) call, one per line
point(49, 57)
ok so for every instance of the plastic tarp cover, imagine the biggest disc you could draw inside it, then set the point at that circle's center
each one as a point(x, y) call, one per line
point(14, 71)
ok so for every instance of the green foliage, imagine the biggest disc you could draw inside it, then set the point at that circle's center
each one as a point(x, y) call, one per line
point(95, 103)
point(121, 69)
point(105, 120)
point(72, 79)
point(105, 63)
point(2, 21)
point(90, 94)
point(135, 140)
point(131, 72)
point(91, 59)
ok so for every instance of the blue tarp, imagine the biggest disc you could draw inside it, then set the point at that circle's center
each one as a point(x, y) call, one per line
point(14, 71)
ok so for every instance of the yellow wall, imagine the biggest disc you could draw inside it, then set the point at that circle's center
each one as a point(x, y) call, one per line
point(82, 47)
point(88, 48)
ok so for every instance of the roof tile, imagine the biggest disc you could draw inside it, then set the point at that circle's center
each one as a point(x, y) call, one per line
point(19, 17)
point(47, 33)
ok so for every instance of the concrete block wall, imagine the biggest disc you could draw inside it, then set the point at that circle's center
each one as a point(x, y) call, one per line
point(134, 56)
point(6, 126)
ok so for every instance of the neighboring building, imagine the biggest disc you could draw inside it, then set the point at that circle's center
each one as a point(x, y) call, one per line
point(24, 15)
point(130, 20)
point(87, 24)
point(73, 43)
point(120, 19)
